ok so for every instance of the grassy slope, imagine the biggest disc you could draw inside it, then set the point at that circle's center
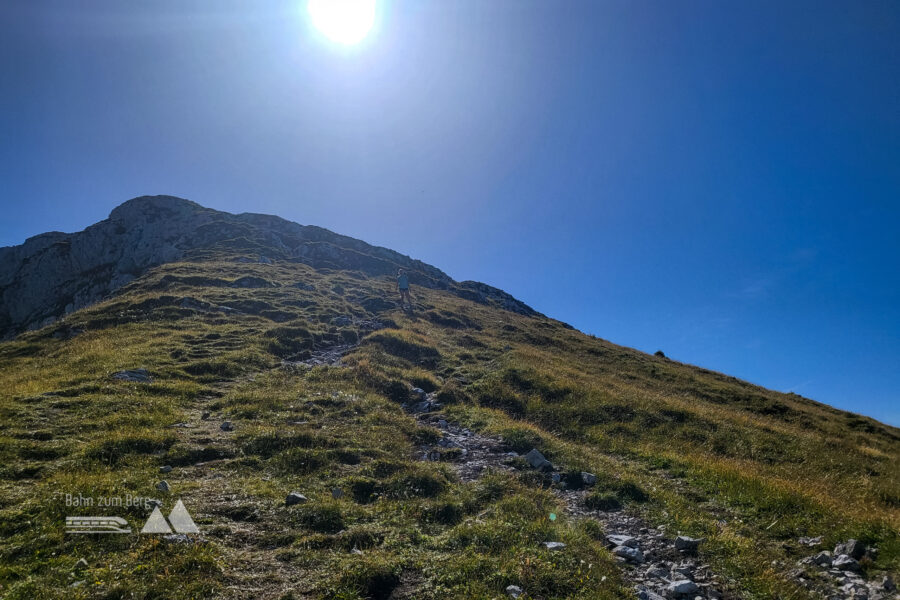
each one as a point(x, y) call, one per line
point(749, 469)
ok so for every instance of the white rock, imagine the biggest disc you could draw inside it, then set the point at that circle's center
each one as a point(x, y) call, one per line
point(513, 591)
point(554, 545)
point(295, 498)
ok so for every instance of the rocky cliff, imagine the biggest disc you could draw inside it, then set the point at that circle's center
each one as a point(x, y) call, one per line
point(55, 273)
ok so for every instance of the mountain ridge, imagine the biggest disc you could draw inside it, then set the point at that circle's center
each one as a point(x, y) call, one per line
point(54, 273)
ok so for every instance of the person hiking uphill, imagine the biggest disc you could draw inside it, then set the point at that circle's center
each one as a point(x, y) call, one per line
point(403, 288)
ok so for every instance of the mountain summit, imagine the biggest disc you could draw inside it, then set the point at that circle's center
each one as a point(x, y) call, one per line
point(53, 274)
point(328, 442)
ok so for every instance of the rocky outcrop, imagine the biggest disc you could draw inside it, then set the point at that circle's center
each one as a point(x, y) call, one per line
point(55, 273)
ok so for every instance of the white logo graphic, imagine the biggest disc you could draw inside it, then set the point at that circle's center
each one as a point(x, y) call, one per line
point(97, 525)
point(179, 518)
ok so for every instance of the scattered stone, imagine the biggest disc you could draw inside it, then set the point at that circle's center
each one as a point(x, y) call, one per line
point(887, 584)
point(163, 486)
point(810, 541)
point(648, 594)
point(845, 563)
point(588, 479)
point(442, 423)
point(687, 544)
point(295, 498)
point(537, 460)
point(682, 588)
point(513, 591)
point(337, 493)
point(136, 375)
point(420, 393)
point(622, 540)
point(628, 553)
point(81, 564)
point(823, 559)
point(165, 469)
point(686, 571)
point(226, 426)
point(554, 545)
point(851, 548)
point(657, 572)
point(555, 477)
point(356, 551)
point(206, 414)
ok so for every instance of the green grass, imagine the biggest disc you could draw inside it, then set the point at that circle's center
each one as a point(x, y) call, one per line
point(680, 445)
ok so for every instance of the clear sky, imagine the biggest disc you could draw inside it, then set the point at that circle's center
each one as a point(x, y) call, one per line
point(719, 180)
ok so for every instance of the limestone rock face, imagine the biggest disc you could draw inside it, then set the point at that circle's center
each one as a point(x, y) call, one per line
point(53, 274)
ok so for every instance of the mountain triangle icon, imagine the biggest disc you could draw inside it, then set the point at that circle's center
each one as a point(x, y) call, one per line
point(179, 518)
point(156, 523)
point(181, 521)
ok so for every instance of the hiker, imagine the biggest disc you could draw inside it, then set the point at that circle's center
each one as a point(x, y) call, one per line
point(403, 288)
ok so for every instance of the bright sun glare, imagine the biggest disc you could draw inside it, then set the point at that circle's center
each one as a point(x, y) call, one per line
point(344, 21)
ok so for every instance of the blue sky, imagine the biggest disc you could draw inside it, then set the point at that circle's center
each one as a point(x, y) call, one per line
point(719, 180)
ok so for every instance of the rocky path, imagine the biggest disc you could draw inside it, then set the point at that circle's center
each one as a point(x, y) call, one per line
point(659, 566)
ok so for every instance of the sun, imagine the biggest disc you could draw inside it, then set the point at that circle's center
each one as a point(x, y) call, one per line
point(344, 21)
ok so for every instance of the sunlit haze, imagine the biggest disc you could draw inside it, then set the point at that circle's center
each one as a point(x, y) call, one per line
point(344, 21)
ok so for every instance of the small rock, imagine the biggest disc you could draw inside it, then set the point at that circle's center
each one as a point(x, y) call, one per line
point(588, 479)
point(165, 469)
point(420, 393)
point(442, 424)
point(226, 426)
point(537, 460)
point(628, 553)
point(295, 498)
point(622, 540)
point(163, 486)
point(513, 591)
point(356, 550)
point(657, 573)
point(206, 414)
point(556, 478)
point(686, 571)
point(648, 594)
point(136, 375)
point(687, 544)
point(887, 584)
point(851, 548)
point(81, 564)
point(823, 559)
point(337, 493)
point(682, 588)
point(845, 563)
point(810, 541)
point(554, 545)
